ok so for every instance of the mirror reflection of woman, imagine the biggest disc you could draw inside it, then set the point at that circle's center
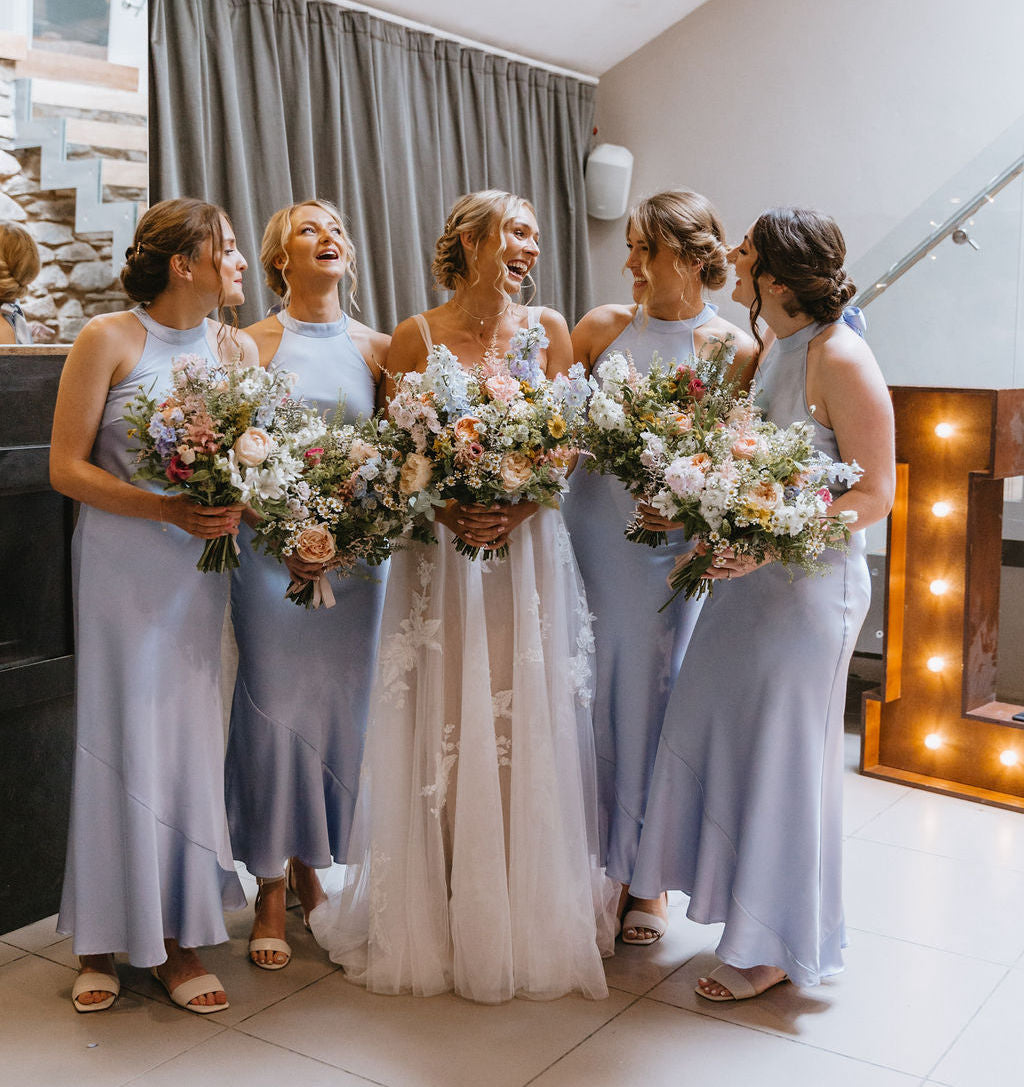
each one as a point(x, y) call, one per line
point(303, 684)
point(473, 863)
point(677, 254)
point(149, 869)
point(19, 266)
point(744, 812)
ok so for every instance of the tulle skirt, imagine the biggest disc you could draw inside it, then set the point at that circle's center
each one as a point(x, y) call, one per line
point(473, 863)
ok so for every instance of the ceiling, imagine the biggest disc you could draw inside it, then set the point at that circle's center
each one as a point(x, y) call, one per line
point(588, 36)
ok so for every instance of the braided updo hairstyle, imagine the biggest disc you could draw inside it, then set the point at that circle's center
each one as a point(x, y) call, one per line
point(477, 214)
point(19, 261)
point(686, 224)
point(172, 226)
point(275, 242)
point(803, 250)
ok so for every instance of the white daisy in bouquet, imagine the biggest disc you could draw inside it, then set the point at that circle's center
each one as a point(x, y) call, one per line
point(347, 507)
point(761, 490)
point(635, 420)
point(216, 435)
point(501, 433)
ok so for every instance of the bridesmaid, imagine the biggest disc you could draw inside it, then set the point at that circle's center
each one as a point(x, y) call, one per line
point(676, 254)
point(303, 684)
point(744, 812)
point(149, 869)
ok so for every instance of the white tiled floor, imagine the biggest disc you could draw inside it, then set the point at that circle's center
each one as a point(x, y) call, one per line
point(933, 994)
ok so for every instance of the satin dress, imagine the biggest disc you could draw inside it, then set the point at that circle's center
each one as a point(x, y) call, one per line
point(302, 690)
point(638, 651)
point(745, 808)
point(148, 851)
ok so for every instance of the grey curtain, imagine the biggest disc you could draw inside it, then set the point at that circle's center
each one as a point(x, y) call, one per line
point(255, 104)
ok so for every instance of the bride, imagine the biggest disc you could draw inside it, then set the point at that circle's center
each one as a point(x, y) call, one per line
point(473, 861)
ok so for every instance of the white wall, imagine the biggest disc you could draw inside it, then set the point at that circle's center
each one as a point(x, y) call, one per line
point(860, 109)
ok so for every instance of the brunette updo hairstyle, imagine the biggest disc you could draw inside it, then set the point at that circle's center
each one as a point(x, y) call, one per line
point(477, 214)
point(686, 224)
point(172, 226)
point(19, 261)
point(803, 250)
point(275, 242)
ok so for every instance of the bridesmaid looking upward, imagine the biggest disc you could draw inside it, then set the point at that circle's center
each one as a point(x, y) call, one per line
point(149, 869)
point(744, 812)
point(676, 254)
point(303, 684)
point(473, 863)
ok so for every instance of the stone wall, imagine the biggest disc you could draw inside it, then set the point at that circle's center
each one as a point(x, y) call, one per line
point(77, 278)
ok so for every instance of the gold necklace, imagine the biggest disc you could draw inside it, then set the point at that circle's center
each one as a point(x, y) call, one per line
point(489, 317)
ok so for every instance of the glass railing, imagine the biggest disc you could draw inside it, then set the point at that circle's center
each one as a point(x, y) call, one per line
point(943, 294)
point(944, 291)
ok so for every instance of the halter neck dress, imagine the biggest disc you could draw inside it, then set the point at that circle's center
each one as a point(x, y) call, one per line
point(302, 691)
point(745, 808)
point(148, 852)
point(638, 651)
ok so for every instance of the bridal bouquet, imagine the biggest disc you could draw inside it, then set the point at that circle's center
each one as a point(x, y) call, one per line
point(499, 433)
point(348, 505)
point(217, 437)
point(752, 486)
point(635, 420)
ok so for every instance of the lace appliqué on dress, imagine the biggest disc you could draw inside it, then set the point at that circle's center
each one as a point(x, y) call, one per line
point(444, 761)
point(579, 664)
point(378, 900)
point(398, 653)
point(504, 748)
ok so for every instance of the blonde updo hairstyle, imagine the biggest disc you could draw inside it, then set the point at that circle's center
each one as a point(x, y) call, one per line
point(478, 214)
point(274, 248)
point(19, 261)
point(686, 224)
point(803, 250)
point(166, 229)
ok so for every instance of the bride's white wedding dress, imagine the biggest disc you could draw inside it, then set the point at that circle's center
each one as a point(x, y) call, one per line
point(473, 862)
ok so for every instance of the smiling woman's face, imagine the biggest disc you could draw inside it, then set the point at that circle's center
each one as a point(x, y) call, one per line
point(316, 243)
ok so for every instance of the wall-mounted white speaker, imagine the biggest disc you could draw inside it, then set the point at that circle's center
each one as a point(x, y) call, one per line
point(607, 176)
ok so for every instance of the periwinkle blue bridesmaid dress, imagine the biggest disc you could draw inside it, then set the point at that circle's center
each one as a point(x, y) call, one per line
point(638, 650)
point(148, 852)
point(745, 808)
point(302, 692)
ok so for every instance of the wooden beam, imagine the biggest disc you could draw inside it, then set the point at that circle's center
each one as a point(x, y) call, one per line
point(70, 68)
point(13, 46)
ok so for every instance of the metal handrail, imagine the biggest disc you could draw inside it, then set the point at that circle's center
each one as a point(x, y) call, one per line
point(953, 223)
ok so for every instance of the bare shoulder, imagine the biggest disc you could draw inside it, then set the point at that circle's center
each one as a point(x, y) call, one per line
point(371, 344)
point(266, 335)
point(116, 338)
point(838, 347)
point(249, 348)
point(377, 342)
point(407, 349)
point(553, 321)
point(606, 321)
point(597, 330)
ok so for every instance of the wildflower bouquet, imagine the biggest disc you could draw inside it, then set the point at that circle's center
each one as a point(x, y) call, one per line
point(347, 506)
point(499, 433)
point(216, 436)
point(759, 489)
point(635, 420)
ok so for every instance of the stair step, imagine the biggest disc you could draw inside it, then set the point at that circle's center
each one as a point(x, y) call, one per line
point(106, 134)
point(50, 92)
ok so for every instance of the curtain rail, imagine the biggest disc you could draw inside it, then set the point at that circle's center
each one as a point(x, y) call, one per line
point(387, 17)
